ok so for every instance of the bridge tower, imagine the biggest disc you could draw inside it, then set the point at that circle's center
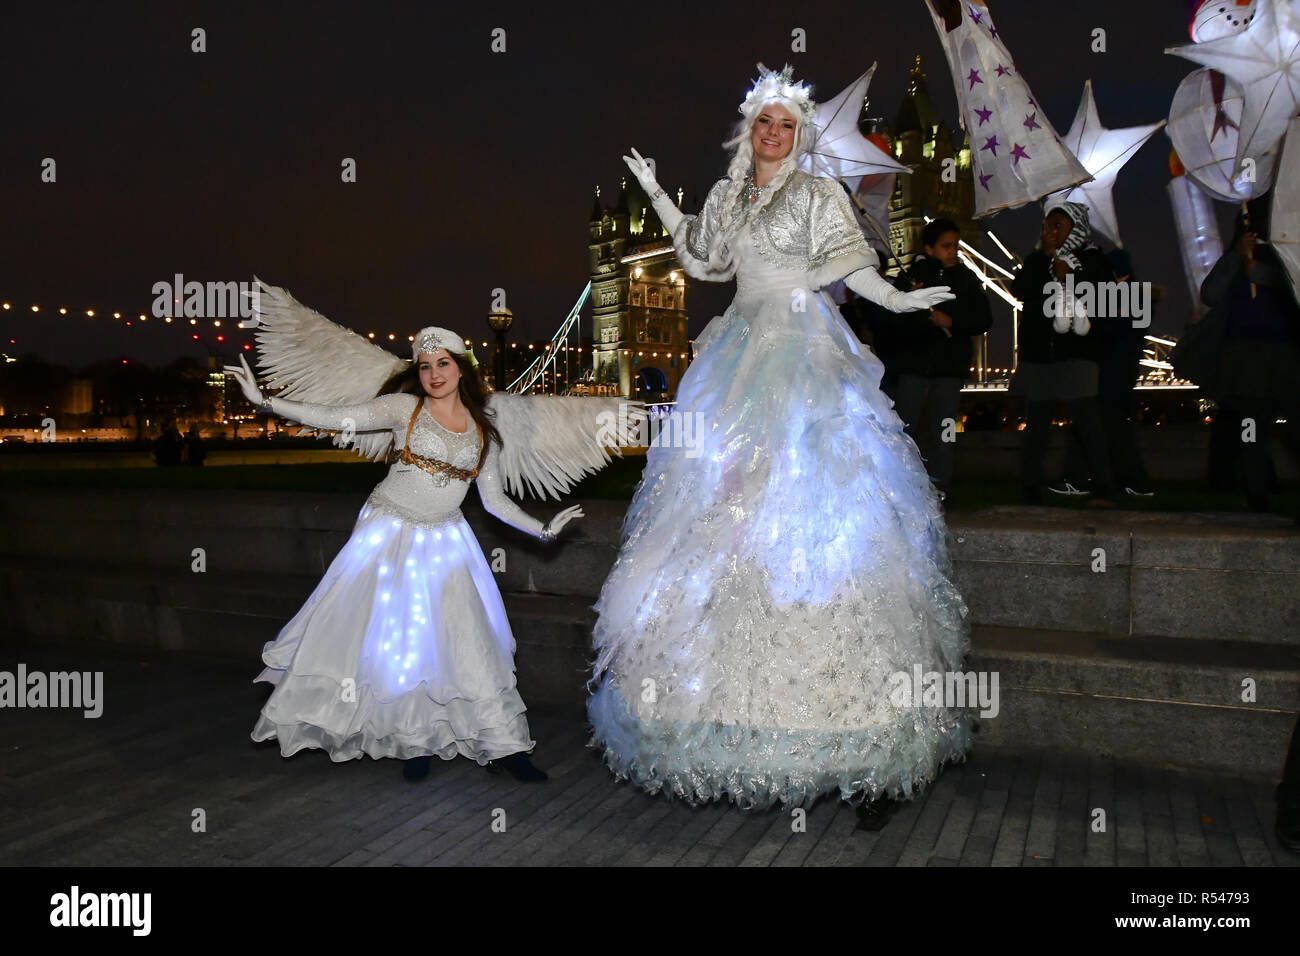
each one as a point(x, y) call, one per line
point(638, 300)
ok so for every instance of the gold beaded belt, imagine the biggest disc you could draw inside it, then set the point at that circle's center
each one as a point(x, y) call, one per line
point(434, 466)
point(442, 470)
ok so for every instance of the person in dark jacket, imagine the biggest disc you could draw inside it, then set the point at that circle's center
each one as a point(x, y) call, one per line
point(1057, 356)
point(1119, 353)
point(933, 358)
point(1258, 376)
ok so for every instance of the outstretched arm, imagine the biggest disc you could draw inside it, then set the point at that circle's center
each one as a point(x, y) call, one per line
point(665, 208)
point(838, 249)
point(690, 234)
point(492, 492)
point(868, 284)
point(383, 412)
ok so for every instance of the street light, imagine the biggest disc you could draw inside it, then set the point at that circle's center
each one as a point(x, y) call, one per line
point(500, 321)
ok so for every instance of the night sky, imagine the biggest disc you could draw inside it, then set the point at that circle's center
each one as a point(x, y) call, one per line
point(475, 169)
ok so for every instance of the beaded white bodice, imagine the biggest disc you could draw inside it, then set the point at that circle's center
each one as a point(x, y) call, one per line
point(408, 491)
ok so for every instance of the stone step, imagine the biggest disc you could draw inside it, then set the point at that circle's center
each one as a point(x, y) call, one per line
point(1213, 704)
point(1204, 576)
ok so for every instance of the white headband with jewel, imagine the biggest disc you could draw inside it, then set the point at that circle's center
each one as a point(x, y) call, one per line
point(429, 340)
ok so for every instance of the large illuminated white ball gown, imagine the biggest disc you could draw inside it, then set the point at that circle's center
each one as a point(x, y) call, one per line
point(772, 581)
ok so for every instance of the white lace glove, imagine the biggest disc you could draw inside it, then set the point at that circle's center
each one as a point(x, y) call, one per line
point(248, 383)
point(666, 209)
point(868, 284)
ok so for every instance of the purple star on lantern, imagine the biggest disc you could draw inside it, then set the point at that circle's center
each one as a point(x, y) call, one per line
point(984, 179)
point(1002, 70)
point(1031, 123)
point(993, 31)
point(1018, 153)
point(983, 114)
point(991, 144)
point(975, 15)
point(974, 78)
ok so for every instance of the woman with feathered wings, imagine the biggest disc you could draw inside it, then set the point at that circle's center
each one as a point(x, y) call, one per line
point(404, 650)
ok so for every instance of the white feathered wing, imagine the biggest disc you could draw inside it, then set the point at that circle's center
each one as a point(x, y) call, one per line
point(311, 359)
point(550, 442)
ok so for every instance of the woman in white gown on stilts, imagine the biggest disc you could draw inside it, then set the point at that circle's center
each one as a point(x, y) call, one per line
point(774, 582)
point(404, 650)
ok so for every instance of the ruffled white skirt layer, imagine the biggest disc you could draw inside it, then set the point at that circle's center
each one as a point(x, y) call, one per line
point(402, 650)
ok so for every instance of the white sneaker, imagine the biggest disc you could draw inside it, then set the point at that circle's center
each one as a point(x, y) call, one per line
point(1065, 488)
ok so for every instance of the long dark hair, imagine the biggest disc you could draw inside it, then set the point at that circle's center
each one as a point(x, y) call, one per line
point(473, 395)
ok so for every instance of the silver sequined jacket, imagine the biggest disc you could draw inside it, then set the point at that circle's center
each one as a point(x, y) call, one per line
point(808, 226)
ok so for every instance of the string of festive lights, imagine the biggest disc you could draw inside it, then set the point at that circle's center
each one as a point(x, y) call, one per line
point(217, 324)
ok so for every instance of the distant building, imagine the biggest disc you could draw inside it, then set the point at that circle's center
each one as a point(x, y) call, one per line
point(638, 301)
point(922, 142)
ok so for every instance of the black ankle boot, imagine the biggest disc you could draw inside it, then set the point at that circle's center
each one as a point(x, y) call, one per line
point(874, 814)
point(417, 768)
point(518, 766)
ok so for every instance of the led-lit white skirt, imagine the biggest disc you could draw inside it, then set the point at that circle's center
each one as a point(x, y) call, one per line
point(402, 650)
point(775, 579)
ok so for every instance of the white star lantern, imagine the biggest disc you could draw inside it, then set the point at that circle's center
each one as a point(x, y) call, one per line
point(839, 150)
point(842, 153)
point(1264, 60)
point(1018, 158)
point(1103, 153)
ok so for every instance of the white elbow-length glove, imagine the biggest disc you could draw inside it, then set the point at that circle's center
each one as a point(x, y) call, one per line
point(248, 384)
point(868, 284)
point(665, 208)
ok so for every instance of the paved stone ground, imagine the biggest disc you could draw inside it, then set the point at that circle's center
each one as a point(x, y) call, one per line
point(122, 790)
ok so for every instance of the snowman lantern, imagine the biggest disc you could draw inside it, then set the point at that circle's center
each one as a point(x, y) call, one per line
point(1215, 19)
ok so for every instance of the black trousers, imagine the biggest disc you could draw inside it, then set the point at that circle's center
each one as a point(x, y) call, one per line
point(1256, 461)
point(1087, 421)
point(1128, 469)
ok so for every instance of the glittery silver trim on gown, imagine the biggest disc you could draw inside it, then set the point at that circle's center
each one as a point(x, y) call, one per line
point(775, 579)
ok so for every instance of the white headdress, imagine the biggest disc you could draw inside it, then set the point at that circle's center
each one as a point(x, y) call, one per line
point(770, 86)
point(429, 340)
